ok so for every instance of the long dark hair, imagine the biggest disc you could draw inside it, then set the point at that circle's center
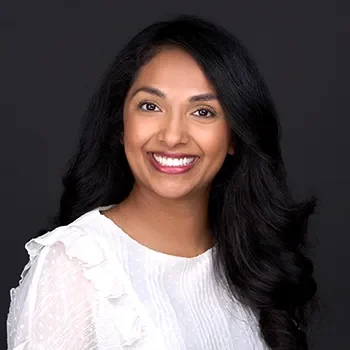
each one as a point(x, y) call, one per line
point(260, 230)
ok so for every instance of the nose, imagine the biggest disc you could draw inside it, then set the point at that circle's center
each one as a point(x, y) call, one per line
point(173, 131)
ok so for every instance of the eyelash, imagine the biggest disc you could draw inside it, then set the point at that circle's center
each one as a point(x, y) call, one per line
point(142, 103)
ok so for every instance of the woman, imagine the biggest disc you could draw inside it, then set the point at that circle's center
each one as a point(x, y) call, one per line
point(176, 228)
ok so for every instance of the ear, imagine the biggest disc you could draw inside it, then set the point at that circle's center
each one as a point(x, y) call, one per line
point(231, 149)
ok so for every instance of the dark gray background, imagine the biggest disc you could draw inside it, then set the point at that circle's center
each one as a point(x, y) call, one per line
point(53, 54)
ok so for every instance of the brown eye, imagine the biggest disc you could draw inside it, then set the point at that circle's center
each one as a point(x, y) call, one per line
point(205, 113)
point(148, 107)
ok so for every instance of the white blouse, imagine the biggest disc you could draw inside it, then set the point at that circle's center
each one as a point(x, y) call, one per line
point(89, 285)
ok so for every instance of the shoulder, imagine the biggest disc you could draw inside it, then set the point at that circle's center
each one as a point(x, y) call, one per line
point(77, 257)
point(84, 241)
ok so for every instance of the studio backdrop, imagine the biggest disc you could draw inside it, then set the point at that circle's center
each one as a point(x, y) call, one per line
point(54, 53)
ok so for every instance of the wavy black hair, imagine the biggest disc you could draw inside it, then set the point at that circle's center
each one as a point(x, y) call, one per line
point(260, 230)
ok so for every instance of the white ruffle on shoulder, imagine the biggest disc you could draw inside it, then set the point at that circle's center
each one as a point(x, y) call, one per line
point(73, 294)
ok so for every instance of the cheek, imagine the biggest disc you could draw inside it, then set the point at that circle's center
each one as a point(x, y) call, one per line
point(136, 133)
point(214, 141)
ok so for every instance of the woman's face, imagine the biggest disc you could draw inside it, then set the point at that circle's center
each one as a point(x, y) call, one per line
point(172, 118)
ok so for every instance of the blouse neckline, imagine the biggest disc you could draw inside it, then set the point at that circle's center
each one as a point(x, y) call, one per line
point(151, 252)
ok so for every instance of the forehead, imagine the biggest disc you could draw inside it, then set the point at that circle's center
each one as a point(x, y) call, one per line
point(173, 69)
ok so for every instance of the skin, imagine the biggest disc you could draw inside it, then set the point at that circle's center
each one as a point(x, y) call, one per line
point(168, 213)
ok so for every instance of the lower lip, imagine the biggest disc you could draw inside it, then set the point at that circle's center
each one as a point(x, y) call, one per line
point(171, 169)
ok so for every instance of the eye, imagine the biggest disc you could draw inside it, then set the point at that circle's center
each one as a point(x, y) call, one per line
point(205, 113)
point(148, 107)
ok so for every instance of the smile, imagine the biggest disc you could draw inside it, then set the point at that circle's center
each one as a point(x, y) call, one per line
point(172, 165)
point(165, 161)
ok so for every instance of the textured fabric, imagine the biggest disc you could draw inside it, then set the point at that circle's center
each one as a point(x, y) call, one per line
point(89, 285)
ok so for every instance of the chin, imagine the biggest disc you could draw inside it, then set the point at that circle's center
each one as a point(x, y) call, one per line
point(171, 192)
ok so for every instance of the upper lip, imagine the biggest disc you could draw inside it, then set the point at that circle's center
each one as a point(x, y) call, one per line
point(174, 155)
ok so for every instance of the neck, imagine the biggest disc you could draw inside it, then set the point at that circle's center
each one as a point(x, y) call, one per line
point(176, 226)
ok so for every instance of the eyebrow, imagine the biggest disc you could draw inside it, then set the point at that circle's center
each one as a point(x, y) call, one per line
point(153, 91)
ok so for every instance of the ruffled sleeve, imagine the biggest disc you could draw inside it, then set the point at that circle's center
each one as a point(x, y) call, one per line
point(54, 306)
point(72, 295)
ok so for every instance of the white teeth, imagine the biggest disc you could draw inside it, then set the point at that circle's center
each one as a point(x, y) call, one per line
point(173, 161)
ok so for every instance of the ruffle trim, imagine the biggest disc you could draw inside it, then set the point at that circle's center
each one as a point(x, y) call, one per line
point(106, 276)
